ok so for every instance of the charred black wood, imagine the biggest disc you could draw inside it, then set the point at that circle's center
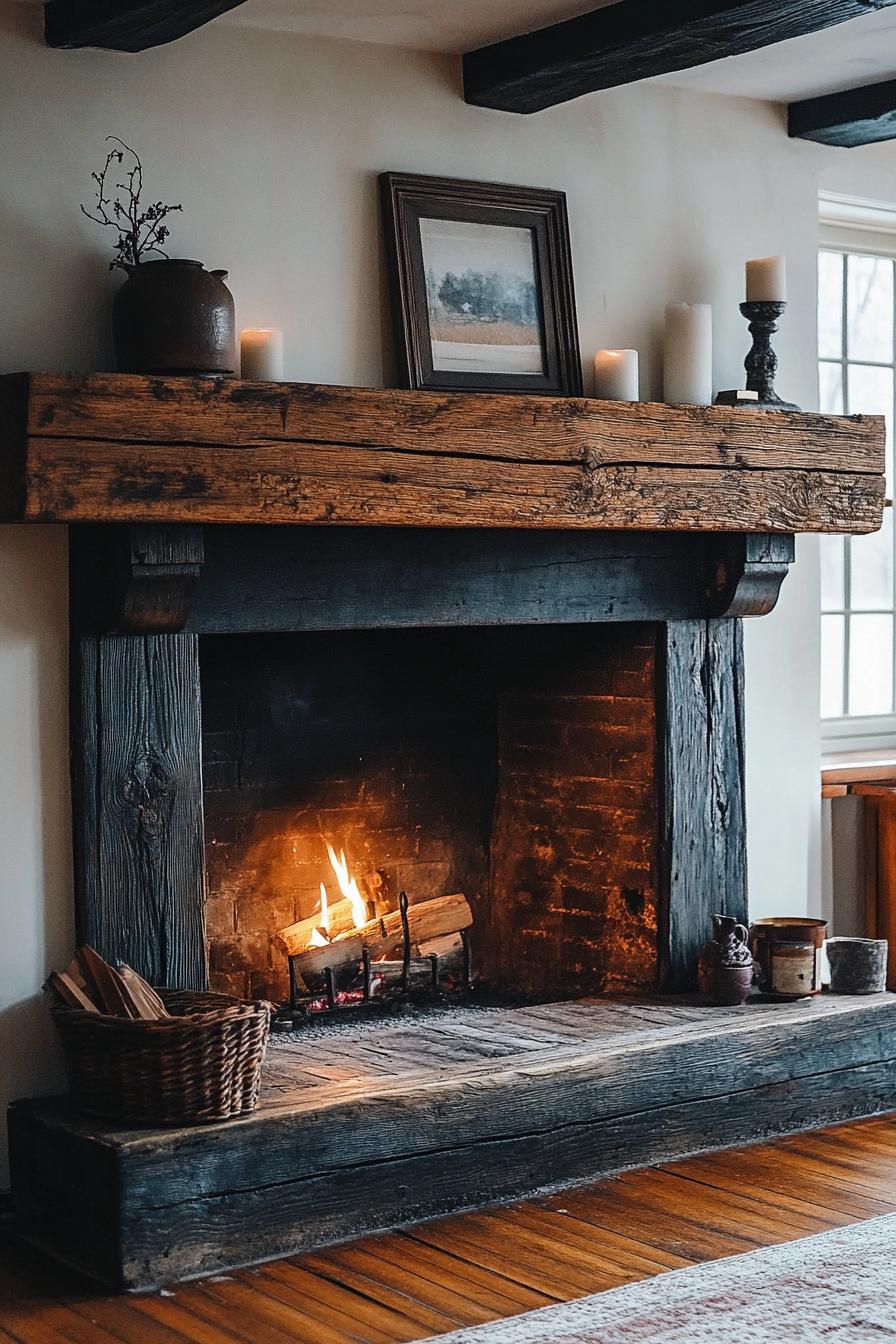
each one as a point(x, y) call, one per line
point(636, 39)
point(853, 117)
point(118, 25)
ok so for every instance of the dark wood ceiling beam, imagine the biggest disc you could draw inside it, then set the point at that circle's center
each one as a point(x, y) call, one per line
point(126, 25)
point(634, 39)
point(853, 117)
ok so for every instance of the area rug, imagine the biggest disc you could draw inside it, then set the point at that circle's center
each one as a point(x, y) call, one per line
point(837, 1286)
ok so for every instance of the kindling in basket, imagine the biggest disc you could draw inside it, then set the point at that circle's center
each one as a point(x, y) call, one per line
point(166, 1058)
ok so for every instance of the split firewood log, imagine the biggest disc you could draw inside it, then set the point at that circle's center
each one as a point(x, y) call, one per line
point(91, 984)
point(382, 937)
point(142, 995)
point(70, 992)
point(296, 937)
point(105, 984)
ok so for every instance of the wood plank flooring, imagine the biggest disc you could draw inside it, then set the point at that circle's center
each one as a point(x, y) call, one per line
point(470, 1268)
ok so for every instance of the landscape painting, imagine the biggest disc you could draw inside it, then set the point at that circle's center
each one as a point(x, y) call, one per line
point(482, 297)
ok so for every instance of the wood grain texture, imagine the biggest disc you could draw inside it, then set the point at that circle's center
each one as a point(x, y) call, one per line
point(634, 39)
point(484, 1266)
point(126, 25)
point(278, 578)
point(879, 808)
point(852, 117)
point(375, 1150)
point(138, 812)
point(703, 831)
point(125, 448)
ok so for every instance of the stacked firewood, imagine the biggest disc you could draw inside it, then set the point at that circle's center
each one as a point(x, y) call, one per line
point(434, 927)
point(93, 985)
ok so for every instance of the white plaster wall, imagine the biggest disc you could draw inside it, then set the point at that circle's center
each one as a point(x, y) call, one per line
point(35, 868)
point(272, 142)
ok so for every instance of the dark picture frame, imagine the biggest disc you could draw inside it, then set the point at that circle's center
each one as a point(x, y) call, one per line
point(481, 286)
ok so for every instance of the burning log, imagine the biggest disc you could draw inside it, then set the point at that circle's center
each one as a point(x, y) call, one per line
point(382, 937)
point(296, 937)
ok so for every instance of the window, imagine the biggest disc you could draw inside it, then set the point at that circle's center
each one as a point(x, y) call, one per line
point(856, 371)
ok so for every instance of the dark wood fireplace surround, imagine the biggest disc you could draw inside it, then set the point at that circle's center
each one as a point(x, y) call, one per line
point(601, 554)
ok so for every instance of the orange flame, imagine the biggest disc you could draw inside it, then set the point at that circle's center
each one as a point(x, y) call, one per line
point(348, 886)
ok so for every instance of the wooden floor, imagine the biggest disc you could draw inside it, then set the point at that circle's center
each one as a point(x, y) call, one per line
point(436, 1276)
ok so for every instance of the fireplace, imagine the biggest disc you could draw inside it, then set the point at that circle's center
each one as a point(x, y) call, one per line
point(488, 644)
point(518, 615)
point(548, 723)
point(517, 766)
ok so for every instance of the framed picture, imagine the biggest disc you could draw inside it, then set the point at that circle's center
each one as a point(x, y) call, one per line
point(481, 282)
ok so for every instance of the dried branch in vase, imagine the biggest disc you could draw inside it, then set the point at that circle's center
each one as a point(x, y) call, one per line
point(140, 232)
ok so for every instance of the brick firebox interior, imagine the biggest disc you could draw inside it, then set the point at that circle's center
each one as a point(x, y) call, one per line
point(515, 765)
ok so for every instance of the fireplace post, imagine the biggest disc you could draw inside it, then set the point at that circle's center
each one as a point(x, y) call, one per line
point(703, 860)
point(136, 750)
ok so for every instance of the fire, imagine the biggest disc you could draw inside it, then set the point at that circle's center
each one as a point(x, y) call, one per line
point(348, 886)
point(318, 938)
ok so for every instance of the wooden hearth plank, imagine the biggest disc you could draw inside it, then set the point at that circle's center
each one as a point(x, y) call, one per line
point(377, 1151)
point(107, 447)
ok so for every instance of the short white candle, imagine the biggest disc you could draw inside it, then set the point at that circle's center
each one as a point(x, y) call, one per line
point(687, 356)
point(616, 375)
point(261, 355)
point(767, 280)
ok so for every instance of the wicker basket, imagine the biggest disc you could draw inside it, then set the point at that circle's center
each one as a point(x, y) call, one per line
point(200, 1065)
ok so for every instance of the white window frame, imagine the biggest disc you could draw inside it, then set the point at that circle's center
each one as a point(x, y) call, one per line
point(856, 224)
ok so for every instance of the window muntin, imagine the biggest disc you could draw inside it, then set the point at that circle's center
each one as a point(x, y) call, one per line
point(857, 373)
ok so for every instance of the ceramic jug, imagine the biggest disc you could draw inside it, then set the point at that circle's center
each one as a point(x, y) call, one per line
point(725, 970)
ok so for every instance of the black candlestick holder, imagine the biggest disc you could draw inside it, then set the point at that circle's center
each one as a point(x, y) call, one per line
point(761, 363)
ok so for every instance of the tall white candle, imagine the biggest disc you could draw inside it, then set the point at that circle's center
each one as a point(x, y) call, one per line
point(767, 280)
point(616, 375)
point(261, 354)
point(687, 357)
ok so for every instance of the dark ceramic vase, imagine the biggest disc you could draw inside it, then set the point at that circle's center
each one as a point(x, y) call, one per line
point(174, 317)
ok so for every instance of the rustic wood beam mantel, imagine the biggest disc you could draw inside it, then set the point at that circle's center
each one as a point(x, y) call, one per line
point(115, 448)
point(126, 25)
point(635, 39)
point(853, 117)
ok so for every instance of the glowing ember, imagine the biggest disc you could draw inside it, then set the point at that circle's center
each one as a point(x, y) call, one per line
point(348, 886)
point(343, 997)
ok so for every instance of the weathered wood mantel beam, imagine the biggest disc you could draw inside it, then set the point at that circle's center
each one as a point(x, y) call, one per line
point(634, 39)
point(115, 448)
point(853, 117)
point(126, 25)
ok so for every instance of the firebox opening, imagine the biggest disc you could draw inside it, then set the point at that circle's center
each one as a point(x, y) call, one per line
point(515, 765)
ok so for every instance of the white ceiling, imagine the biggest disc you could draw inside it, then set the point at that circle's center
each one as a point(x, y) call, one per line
point(430, 25)
point(862, 51)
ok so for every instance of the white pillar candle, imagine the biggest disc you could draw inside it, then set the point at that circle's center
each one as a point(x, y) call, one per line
point(616, 375)
point(687, 357)
point(767, 280)
point(261, 354)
